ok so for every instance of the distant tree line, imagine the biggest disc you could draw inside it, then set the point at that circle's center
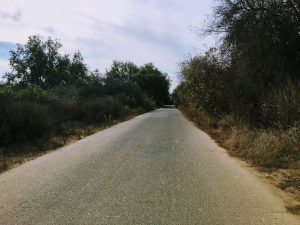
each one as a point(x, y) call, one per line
point(47, 93)
point(254, 75)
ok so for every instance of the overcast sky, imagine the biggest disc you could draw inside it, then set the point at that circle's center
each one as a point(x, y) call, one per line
point(141, 31)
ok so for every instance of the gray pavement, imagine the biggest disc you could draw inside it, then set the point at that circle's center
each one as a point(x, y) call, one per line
point(156, 169)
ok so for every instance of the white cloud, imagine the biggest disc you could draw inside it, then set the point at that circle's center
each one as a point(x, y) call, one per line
point(138, 30)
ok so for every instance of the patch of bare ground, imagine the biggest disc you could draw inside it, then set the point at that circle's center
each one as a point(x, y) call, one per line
point(287, 180)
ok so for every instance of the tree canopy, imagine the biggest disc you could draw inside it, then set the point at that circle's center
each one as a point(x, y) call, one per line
point(254, 74)
point(38, 62)
point(55, 94)
point(150, 79)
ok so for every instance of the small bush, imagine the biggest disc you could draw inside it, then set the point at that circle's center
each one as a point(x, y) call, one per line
point(32, 93)
point(23, 121)
point(64, 92)
point(89, 111)
point(282, 107)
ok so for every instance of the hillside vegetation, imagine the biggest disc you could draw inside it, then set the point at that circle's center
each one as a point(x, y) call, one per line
point(246, 91)
point(49, 97)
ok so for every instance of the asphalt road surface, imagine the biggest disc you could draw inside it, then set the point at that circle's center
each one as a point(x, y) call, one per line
point(156, 169)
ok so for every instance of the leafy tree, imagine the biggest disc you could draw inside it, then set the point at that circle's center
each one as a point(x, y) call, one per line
point(155, 83)
point(78, 70)
point(54, 94)
point(123, 71)
point(39, 63)
point(254, 75)
point(205, 79)
point(262, 39)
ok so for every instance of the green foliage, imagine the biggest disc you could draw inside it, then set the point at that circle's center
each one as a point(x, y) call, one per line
point(155, 83)
point(247, 92)
point(64, 92)
point(262, 38)
point(281, 107)
point(6, 94)
point(46, 91)
point(254, 75)
point(23, 121)
point(122, 71)
point(91, 110)
point(204, 77)
point(32, 93)
point(78, 72)
point(39, 63)
point(125, 76)
point(94, 88)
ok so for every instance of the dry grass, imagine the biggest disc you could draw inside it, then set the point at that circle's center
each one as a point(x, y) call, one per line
point(265, 148)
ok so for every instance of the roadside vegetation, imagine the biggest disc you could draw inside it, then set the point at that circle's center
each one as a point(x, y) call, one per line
point(49, 98)
point(246, 92)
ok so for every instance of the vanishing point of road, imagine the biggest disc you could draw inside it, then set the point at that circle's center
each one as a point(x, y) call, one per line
point(156, 169)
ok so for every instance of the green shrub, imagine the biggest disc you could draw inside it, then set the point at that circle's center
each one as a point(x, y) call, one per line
point(89, 111)
point(282, 106)
point(32, 93)
point(23, 121)
point(64, 92)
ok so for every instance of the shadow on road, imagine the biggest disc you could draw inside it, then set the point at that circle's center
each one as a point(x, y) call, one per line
point(169, 107)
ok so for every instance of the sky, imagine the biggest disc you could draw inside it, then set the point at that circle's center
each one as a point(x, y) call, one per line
point(159, 31)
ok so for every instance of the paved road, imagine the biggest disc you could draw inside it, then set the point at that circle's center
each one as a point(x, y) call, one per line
point(156, 169)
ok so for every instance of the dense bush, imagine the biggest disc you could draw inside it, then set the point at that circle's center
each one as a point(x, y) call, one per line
point(148, 78)
point(281, 106)
point(46, 93)
point(254, 74)
point(251, 78)
point(23, 121)
point(98, 110)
